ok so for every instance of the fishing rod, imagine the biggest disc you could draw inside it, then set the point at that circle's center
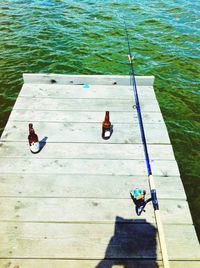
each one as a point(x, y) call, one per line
point(147, 159)
point(130, 57)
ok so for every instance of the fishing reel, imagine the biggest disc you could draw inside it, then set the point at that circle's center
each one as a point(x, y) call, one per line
point(138, 197)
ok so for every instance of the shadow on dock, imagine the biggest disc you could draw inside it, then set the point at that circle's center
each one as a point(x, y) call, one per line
point(42, 143)
point(133, 245)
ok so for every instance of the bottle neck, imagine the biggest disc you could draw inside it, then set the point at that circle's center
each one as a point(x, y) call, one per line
point(32, 135)
point(31, 130)
point(106, 122)
point(107, 117)
point(30, 126)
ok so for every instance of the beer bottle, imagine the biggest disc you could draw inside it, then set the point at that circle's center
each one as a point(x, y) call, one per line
point(33, 140)
point(106, 127)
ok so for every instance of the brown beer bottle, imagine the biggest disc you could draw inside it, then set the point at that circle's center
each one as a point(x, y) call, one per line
point(106, 127)
point(33, 140)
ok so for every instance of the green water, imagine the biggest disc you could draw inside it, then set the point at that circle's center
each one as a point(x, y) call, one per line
point(87, 37)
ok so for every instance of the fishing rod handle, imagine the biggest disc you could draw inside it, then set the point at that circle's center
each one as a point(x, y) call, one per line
point(152, 182)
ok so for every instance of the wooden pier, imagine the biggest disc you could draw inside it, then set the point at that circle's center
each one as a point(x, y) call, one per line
point(69, 205)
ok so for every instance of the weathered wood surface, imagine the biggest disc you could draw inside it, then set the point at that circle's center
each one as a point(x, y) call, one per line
point(85, 132)
point(128, 263)
point(89, 150)
point(84, 116)
point(78, 91)
point(94, 241)
point(124, 105)
point(118, 263)
point(88, 166)
point(95, 186)
point(70, 203)
point(86, 79)
point(87, 210)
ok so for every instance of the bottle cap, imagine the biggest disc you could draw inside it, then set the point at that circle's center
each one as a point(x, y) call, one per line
point(30, 125)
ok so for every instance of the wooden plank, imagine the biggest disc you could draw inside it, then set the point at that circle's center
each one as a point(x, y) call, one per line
point(83, 116)
point(105, 263)
point(79, 116)
point(39, 104)
point(95, 186)
point(78, 91)
point(117, 263)
point(90, 150)
point(86, 132)
point(89, 210)
point(185, 264)
point(182, 242)
point(95, 241)
point(90, 241)
point(67, 91)
point(87, 166)
point(174, 212)
point(89, 79)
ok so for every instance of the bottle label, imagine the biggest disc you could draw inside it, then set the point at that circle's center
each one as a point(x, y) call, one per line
point(107, 134)
point(35, 147)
